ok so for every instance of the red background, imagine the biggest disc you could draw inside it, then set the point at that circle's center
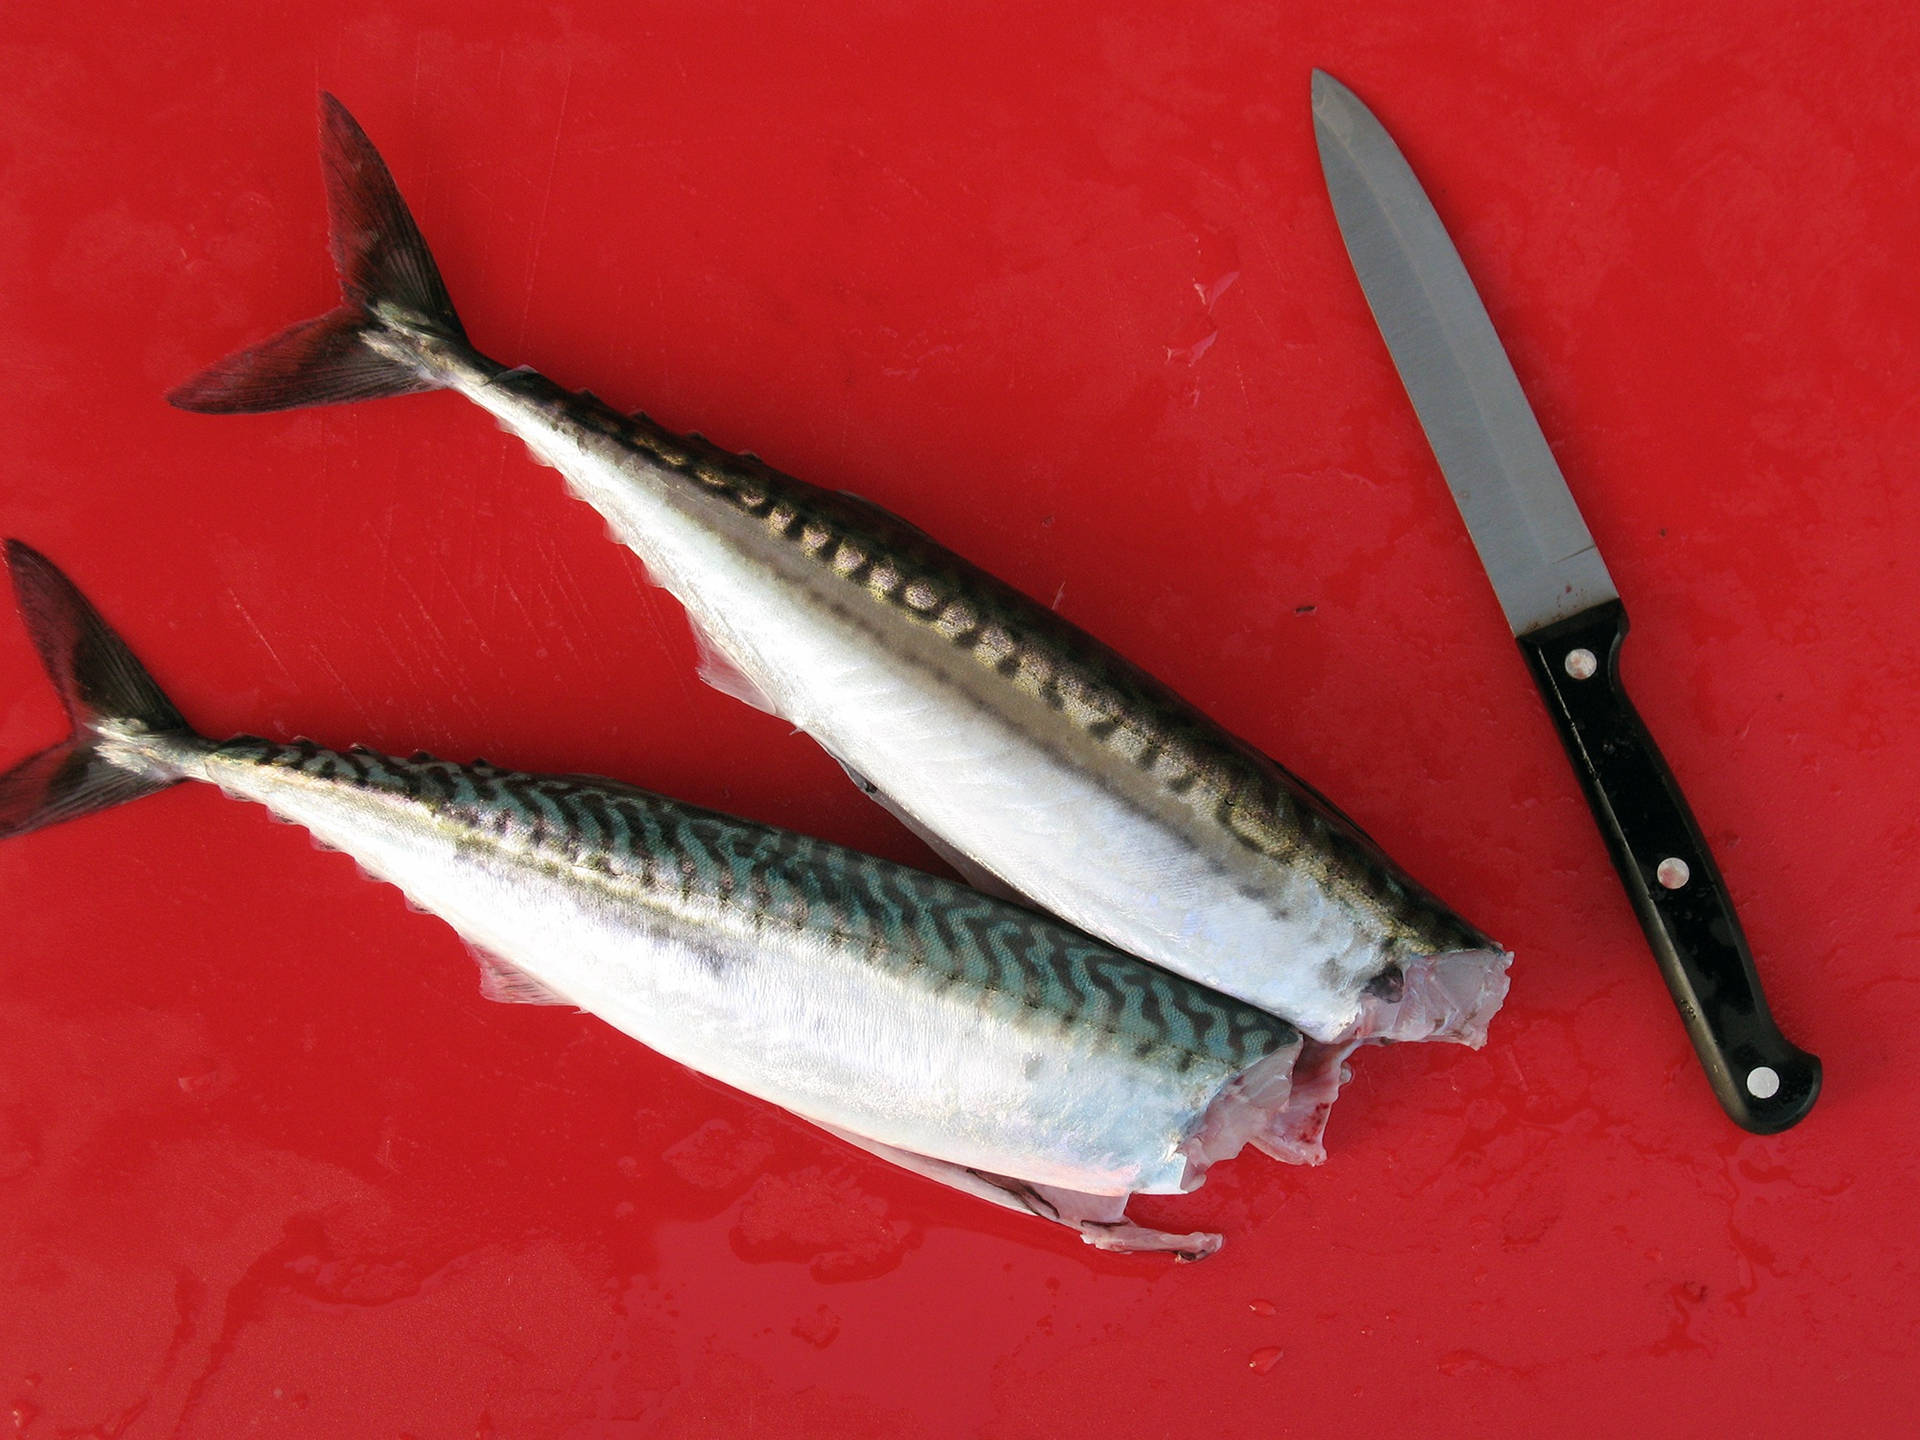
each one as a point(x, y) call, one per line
point(1068, 293)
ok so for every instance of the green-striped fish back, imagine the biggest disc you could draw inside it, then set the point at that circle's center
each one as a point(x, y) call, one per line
point(652, 851)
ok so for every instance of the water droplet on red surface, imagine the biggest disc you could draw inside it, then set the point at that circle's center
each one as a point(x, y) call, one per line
point(823, 1219)
point(1263, 1307)
point(719, 1156)
point(1264, 1359)
point(819, 1329)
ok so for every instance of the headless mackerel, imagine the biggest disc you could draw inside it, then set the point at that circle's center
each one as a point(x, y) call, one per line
point(982, 1044)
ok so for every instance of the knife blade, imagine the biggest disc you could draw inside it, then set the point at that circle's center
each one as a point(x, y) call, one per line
point(1559, 602)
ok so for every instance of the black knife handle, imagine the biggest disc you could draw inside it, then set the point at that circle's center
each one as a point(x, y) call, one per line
point(1764, 1082)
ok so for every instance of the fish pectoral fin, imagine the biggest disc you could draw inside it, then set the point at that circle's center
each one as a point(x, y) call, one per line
point(1100, 1220)
point(507, 983)
point(719, 671)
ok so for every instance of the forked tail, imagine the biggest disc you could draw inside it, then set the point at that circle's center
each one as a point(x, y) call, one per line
point(393, 301)
point(110, 699)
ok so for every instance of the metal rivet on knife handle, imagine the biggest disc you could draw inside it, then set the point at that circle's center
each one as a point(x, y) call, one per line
point(1581, 665)
point(1673, 872)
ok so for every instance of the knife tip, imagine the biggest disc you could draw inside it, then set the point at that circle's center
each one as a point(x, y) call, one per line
point(1333, 108)
point(1328, 93)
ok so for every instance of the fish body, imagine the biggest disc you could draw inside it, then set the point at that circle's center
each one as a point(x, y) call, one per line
point(971, 1039)
point(858, 993)
point(1036, 758)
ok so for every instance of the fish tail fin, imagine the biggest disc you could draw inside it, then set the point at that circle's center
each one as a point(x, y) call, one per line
point(390, 289)
point(109, 697)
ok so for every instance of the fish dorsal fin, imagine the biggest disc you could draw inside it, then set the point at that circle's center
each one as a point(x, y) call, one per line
point(874, 510)
point(503, 981)
point(719, 671)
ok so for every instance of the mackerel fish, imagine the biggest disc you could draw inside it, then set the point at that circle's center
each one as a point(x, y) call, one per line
point(970, 1040)
point(1037, 760)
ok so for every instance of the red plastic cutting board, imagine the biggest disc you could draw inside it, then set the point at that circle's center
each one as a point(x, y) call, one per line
point(1061, 285)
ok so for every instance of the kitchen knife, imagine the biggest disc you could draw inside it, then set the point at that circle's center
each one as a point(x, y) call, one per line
point(1560, 603)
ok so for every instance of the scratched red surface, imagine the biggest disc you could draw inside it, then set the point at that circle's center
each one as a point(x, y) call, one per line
point(1067, 292)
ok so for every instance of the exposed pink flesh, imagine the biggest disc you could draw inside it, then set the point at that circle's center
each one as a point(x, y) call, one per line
point(1443, 997)
point(1245, 1109)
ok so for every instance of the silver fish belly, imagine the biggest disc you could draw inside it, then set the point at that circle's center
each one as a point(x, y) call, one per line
point(1023, 748)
